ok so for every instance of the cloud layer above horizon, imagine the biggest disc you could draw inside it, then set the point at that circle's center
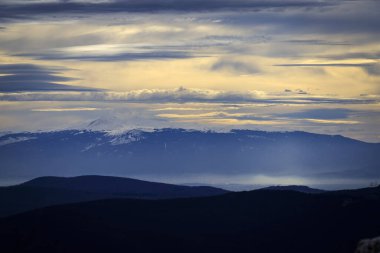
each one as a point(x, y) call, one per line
point(272, 65)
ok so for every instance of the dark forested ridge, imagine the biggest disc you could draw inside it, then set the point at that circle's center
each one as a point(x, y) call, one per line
point(255, 221)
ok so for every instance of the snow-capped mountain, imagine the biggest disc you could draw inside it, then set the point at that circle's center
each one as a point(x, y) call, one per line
point(166, 153)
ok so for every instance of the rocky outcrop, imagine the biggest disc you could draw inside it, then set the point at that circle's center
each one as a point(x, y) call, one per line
point(369, 246)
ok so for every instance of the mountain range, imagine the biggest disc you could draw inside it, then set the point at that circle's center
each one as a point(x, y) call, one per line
point(188, 155)
point(68, 212)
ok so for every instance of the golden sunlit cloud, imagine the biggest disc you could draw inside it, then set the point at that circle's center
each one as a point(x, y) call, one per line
point(265, 60)
point(324, 121)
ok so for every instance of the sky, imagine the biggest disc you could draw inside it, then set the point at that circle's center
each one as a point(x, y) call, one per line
point(220, 64)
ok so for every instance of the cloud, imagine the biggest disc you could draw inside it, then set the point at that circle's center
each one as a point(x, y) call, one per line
point(333, 122)
point(216, 115)
point(323, 65)
point(322, 114)
point(221, 118)
point(295, 92)
point(233, 66)
point(28, 69)
point(30, 77)
point(336, 19)
point(370, 68)
point(225, 118)
point(317, 42)
point(26, 9)
point(125, 56)
point(65, 109)
point(183, 95)
point(356, 55)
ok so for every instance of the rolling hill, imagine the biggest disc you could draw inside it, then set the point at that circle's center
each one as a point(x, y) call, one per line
point(47, 191)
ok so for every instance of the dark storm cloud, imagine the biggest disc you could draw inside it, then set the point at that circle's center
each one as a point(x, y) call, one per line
point(237, 67)
point(26, 9)
point(370, 68)
point(29, 77)
point(162, 55)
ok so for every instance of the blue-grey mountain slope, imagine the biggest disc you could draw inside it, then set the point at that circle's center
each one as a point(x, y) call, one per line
point(173, 153)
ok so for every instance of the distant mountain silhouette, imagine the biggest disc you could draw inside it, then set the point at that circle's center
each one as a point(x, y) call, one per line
point(256, 221)
point(123, 186)
point(297, 188)
point(184, 153)
point(46, 191)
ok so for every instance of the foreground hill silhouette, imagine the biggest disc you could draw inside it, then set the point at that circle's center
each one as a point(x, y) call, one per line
point(47, 191)
point(257, 221)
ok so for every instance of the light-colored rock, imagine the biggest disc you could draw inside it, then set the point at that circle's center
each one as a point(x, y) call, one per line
point(369, 246)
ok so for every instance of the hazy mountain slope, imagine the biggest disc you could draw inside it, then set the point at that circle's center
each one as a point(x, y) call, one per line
point(258, 221)
point(47, 191)
point(169, 153)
